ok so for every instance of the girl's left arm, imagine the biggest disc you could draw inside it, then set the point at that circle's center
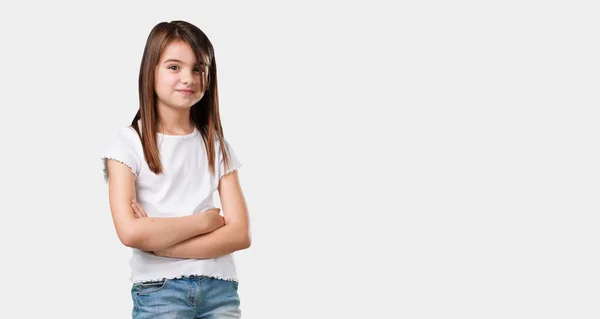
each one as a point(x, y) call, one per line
point(234, 236)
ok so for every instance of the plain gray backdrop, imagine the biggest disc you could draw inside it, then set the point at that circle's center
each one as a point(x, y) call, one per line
point(416, 159)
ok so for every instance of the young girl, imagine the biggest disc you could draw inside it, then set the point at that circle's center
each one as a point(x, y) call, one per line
point(162, 172)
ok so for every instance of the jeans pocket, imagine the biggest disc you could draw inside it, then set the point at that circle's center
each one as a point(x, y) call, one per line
point(149, 287)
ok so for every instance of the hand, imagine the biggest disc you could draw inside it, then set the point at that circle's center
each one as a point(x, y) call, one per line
point(138, 210)
point(214, 220)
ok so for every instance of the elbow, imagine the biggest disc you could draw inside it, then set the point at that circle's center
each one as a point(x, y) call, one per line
point(128, 239)
point(240, 235)
point(135, 239)
point(246, 242)
point(244, 238)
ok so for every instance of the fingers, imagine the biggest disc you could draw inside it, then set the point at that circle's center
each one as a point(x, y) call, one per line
point(138, 210)
point(214, 210)
point(135, 209)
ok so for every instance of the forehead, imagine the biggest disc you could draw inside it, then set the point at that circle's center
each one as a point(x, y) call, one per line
point(179, 50)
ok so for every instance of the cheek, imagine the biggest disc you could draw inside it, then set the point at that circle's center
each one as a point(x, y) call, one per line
point(165, 83)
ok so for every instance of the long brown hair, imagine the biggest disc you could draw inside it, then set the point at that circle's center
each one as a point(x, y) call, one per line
point(204, 114)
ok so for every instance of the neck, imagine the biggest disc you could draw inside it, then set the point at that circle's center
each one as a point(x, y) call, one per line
point(174, 122)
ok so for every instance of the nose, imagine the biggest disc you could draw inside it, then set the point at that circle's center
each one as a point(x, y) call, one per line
point(187, 79)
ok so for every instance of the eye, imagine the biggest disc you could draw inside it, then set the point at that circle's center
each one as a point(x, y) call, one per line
point(197, 70)
point(173, 67)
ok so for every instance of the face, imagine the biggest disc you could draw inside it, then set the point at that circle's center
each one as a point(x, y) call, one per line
point(179, 77)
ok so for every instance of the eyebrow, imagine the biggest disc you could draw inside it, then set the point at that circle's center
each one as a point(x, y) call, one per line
point(178, 61)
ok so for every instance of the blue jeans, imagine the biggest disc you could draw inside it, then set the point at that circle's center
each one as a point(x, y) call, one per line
point(195, 297)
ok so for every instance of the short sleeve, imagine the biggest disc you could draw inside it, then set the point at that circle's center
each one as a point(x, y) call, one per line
point(234, 162)
point(121, 149)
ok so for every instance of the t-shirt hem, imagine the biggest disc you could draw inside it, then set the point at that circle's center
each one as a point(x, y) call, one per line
point(139, 280)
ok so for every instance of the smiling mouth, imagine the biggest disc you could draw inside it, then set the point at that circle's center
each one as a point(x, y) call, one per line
point(185, 92)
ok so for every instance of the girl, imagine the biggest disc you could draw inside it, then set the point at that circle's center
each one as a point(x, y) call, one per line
point(162, 172)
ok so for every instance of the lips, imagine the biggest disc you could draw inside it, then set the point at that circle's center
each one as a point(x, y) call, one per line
point(185, 92)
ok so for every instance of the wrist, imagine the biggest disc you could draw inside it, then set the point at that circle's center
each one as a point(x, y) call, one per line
point(201, 223)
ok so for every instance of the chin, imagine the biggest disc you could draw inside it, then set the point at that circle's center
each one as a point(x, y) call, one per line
point(185, 107)
point(181, 107)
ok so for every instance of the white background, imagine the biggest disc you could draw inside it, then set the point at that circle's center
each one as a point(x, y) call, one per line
point(436, 159)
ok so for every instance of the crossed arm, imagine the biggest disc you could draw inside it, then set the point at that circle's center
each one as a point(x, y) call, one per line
point(204, 235)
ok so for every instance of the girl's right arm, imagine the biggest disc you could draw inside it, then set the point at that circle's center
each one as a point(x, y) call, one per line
point(150, 233)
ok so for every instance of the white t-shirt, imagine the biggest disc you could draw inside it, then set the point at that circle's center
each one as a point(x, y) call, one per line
point(185, 186)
